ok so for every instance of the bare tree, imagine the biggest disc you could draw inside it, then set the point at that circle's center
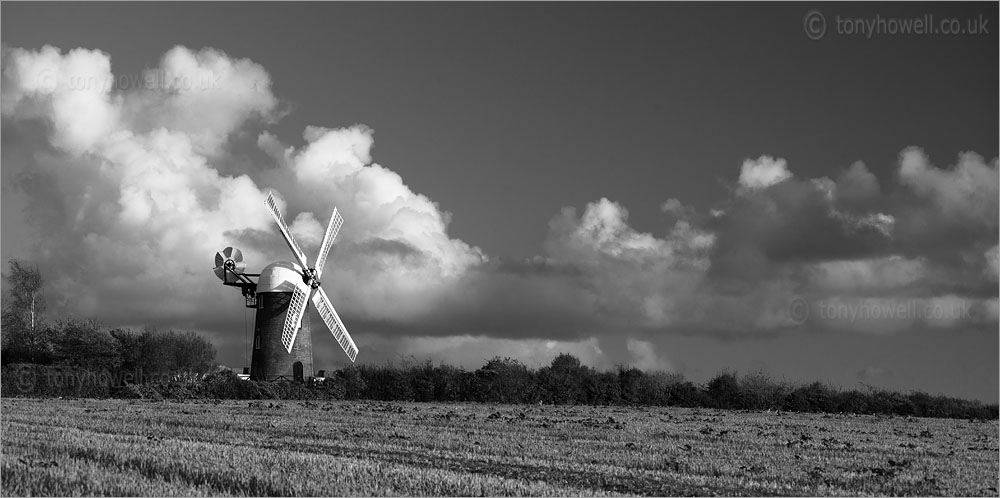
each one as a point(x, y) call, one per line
point(26, 303)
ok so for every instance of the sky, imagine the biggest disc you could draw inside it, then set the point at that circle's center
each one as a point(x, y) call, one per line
point(684, 187)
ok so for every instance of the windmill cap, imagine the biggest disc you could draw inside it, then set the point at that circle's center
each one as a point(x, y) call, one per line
point(283, 276)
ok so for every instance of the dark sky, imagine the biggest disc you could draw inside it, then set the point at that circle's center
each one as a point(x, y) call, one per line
point(504, 113)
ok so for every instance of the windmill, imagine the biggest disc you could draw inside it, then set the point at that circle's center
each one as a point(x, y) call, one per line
point(282, 342)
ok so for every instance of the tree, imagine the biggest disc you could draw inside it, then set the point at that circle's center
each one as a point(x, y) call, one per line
point(724, 391)
point(759, 392)
point(22, 313)
point(191, 353)
point(154, 355)
point(816, 397)
point(564, 380)
point(603, 388)
point(84, 344)
point(130, 350)
point(505, 380)
point(630, 380)
point(26, 290)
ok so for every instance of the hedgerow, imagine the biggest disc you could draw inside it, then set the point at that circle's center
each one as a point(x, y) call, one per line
point(501, 380)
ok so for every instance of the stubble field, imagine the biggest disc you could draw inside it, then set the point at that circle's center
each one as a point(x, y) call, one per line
point(123, 447)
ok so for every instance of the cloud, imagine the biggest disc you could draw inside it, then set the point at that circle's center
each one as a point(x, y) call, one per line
point(794, 221)
point(130, 204)
point(646, 358)
point(948, 215)
point(472, 351)
point(864, 275)
point(72, 91)
point(871, 372)
point(895, 314)
point(307, 230)
point(763, 172)
point(992, 267)
point(676, 210)
point(204, 94)
point(131, 208)
point(336, 165)
point(635, 277)
point(966, 193)
point(856, 187)
point(845, 242)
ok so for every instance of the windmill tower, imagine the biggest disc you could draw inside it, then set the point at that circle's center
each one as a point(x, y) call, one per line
point(282, 340)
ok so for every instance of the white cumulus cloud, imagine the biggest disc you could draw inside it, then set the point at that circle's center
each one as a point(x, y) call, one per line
point(131, 206)
point(763, 172)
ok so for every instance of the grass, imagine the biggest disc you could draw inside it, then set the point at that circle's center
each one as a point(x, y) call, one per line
point(127, 447)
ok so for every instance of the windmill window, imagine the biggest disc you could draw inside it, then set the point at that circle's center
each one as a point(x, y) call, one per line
point(256, 342)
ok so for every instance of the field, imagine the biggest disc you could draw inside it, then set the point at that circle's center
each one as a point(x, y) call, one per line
point(123, 447)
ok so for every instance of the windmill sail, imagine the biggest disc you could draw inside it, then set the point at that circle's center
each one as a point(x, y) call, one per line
point(331, 233)
point(332, 321)
point(312, 291)
point(293, 318)
point(272, 206)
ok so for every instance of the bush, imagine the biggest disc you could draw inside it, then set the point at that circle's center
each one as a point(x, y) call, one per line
point(152, 354)
point(853, 402)
point(332, 388)
point(225, 384)
point(26, 379)
point(656, 388)
point(290, 390)
point(501, 380)
point(180, 391)
point(85, 345)
point(724, 391)
point(814, 397)
point(760, 392)
point(684, 393)
point(504, 380)
point(354, 384)
point(890, 403)
point(138, 391)
point(562, 382)
point(603, 388)
point(630, 385)
point(385, 383)
point(448, 383)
